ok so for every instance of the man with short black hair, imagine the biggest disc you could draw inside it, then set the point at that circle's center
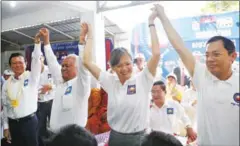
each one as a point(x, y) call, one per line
point(20, 99)
point(165, 114)
point(216, 83)
point(158, 138)
point(72, 135)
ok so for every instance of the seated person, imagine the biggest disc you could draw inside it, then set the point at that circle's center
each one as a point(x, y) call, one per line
point(174, 90)
point(72, 135)
point(165, 113)
point(97, 112)
point(158, 138)
point(94, 101)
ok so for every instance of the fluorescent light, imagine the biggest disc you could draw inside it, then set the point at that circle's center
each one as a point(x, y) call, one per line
point(13, 4)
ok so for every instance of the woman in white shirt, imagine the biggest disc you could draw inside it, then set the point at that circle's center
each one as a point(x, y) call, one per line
point(128, 93)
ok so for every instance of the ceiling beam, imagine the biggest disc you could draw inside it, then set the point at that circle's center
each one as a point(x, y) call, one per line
point(108, 31)
point(23, 34)
point(10, 42)
point(113, 25)
point(133, 3)
point(52, 28)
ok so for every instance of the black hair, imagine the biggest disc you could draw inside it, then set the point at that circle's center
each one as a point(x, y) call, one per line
point(227, 43)
point(15, 55)
point(72, 135)
point(116, 55)
point(158, 138)
point(161, 84)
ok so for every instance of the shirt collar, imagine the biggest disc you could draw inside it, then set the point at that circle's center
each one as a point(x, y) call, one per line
point(70, 82)
point(19, 77)
point(230, 80)
point(166, 104)
point(127, 81)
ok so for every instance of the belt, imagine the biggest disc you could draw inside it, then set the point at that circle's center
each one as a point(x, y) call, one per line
point(22, 119)
point(135, 133)
point(45, 101)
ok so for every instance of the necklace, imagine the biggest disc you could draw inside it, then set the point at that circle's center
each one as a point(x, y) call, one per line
point(15, 101)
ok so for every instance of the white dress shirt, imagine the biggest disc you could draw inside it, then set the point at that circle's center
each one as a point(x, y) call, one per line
point(128, 104)
point(189, 97)
point(46, 78)
point(25, 88)
point(167, 117)
point(70, 105)
point(218, 108)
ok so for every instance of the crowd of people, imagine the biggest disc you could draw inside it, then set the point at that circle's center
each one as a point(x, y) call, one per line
point(54, 105)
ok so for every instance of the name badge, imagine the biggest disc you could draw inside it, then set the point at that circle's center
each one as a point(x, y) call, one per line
point(170, 111)
point(49, 76)
point(131, 89)
point(25, 82)
point(68, 90)
point(236, 98)
point(15, 103)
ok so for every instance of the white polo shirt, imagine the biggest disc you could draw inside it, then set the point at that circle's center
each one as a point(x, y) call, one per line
point(189, 96)
point(166, 118)
point(128, 104)
point(70, 105)
point(218, 108)
point(46, 78)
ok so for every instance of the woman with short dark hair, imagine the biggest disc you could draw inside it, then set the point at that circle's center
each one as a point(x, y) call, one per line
point(128, 93)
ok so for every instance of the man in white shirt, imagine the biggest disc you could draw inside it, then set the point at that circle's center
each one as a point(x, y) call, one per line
point(165, 113)
point(139, 60)
point(217, 86)
point(45, 98)
point(189, 102)
point(20, 99)
point(140, 63)
point(70, 105)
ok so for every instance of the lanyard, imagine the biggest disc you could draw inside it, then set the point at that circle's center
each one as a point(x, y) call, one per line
point(15, 101)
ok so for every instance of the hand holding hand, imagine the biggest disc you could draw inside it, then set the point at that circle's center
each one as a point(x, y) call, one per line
point(159, 9)
point(45, 34)
point(45, 89)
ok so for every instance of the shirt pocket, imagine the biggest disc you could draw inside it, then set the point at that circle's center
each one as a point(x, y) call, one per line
point(67, 102)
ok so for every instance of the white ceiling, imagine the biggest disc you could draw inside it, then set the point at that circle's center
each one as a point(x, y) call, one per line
point(23, 7)
point(68, 29)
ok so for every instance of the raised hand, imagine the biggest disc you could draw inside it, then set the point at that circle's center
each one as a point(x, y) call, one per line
point(159, 9)
point(37, 38)
point(45, 34)
point(153, 15)
point(83, 33)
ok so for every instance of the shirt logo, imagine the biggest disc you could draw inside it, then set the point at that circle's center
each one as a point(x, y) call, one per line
point(49, 76)
point(68, 90)
point(25, 82)
point(131, 89)
point(236, 98)
point(170, 111)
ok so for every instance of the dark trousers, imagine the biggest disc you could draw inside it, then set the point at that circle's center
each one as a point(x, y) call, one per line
point(43, 114)
point(125, 139)
point(24, 131)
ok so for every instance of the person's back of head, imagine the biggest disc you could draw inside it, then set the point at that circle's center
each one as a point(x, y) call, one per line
point(72, 135)
point(157, 138)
